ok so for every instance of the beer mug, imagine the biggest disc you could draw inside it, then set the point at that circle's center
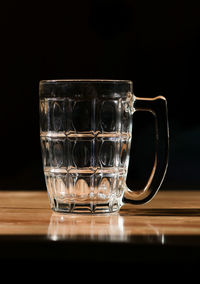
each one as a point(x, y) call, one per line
point(86, 130)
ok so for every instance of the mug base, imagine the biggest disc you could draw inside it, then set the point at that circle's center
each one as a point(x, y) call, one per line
point(89, 207)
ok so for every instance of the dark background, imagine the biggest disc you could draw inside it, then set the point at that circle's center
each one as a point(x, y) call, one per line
point(153, 43)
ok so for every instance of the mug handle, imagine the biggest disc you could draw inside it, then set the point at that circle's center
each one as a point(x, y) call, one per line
point(158, 107)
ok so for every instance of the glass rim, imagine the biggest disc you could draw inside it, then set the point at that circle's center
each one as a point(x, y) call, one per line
point(85, 81)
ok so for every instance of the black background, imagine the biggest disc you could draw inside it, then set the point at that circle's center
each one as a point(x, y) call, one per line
point(153, 43)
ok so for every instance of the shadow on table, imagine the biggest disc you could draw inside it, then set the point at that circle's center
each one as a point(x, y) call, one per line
point(184, 212)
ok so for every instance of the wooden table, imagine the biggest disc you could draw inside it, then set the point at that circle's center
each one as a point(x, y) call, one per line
point(165, 230)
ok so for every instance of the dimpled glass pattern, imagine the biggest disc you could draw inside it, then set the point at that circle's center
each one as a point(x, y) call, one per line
point(85, 139)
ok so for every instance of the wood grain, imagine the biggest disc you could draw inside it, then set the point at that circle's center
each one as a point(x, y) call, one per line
point(169, 213)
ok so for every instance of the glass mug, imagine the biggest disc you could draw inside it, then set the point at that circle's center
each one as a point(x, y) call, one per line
point(85, 130)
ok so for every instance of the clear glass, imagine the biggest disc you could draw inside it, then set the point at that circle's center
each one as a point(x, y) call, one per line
point(86, 129)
